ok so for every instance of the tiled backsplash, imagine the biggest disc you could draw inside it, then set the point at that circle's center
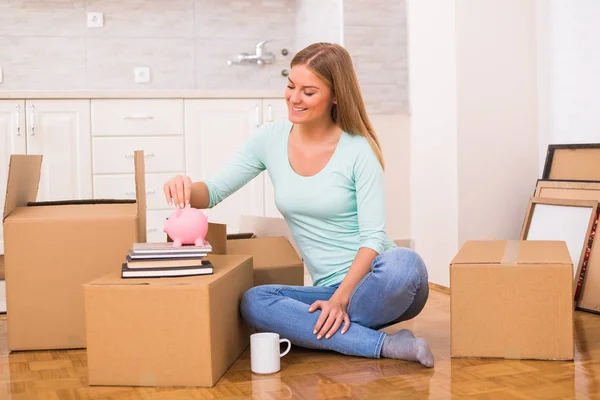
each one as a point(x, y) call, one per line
point(46, 44)
point(375, 35)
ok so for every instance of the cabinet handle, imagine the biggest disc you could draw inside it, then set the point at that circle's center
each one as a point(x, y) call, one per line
point(18, 120)
point(149, 192)
point(257, 116)
point(32, 119)
point(270, 113)
point(145, 155)
point(151, 230)
point(138, 116)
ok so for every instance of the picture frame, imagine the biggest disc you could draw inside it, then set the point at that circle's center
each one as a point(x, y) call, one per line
point(589, 299)
point(572, 162)
point(572, 221)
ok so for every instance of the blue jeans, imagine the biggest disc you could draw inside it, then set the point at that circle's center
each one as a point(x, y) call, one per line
point(396, 289)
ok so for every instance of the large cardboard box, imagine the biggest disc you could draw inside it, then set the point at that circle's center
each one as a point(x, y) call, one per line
point(167, 331)
point(512, 299)
point(276, 259)
point(52, 248)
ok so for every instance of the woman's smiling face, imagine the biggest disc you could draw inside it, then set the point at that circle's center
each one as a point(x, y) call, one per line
point(308, 98)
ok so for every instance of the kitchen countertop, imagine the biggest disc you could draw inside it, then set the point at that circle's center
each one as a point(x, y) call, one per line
point(140, 94)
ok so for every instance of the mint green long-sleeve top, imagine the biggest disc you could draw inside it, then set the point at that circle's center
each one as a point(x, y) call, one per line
point(331, 214)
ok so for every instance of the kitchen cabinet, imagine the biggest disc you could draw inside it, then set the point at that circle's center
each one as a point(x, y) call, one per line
point(88, 143)
point(60, 131)
point(121, 126)
point(214, 130)
point(273, 110)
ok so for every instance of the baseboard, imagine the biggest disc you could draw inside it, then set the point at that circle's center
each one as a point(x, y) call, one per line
point(439, 288)
point(404, 243)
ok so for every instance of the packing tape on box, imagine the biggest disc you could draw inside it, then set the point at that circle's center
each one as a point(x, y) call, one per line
point(511, 252)
point(147, 379)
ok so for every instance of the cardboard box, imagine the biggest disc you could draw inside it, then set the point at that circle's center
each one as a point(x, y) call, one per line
point(167, 331)
point(52, 248)
point(276, 259)
point(513, 300)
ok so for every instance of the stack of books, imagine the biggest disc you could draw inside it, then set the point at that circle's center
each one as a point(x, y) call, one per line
point(161, 260)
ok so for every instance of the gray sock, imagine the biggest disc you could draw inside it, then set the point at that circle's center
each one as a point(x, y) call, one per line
point(403, 345)
point(404, 333)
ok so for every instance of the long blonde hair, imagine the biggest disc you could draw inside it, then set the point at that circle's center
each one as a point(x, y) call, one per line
point(332, 63)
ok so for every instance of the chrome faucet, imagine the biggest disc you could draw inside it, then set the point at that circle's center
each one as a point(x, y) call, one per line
point(260, 57)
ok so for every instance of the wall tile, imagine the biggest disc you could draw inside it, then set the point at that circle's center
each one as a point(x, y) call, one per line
point(318, 21)
point(377, 43)
point(42, 63)
point(385, 99)
point(212, 71)
point(188, 42)
point(245, 18)
point(110, 63)
point(374, 12)
point(144, 18)
point(42, 18)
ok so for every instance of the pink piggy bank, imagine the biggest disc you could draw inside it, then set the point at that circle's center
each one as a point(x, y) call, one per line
point(187, 226)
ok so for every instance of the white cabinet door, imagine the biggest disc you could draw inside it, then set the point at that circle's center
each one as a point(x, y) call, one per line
point(273, 109)
point(214, 129)
point(60, 131)
point(12, 141)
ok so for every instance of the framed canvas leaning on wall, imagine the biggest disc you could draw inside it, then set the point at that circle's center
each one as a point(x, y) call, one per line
point(589, 299)
point(573, 221)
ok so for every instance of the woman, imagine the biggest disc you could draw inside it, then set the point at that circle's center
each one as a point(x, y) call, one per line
point(326, 166)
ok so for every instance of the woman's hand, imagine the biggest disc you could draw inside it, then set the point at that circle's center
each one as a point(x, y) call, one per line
point(333, 313)
point(178, 191)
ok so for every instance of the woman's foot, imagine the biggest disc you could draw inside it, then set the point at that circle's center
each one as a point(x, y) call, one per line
point(405, 333)
point(404, 345)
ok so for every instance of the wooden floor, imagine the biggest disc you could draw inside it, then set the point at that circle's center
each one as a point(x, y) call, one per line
point(322, 375)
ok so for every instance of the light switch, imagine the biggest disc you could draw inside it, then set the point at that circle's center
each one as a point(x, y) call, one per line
point(141, 74)
point(95, 20)
point(1, 78)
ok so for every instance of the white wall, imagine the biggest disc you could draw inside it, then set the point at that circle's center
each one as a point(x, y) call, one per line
point(433, 132)
point(569, 54)
point(473, 99)
point(393, 132)
point(497, 116)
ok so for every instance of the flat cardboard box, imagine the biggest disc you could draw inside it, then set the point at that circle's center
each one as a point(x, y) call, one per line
point(167, 331)
point(513, 300)
point(276, 259)
point(52, 248)
point(589, 299)
point(575, 162)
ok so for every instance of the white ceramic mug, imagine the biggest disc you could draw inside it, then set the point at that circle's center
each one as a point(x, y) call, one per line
point(264, 352)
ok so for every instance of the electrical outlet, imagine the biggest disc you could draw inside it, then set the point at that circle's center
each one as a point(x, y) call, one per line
point(95, 20)
point(141, 74)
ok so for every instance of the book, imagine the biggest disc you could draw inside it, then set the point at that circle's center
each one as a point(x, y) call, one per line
point(161, 262)
point(161, 247)
point(164, 255)
point(205, 268)
point(162, 250)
